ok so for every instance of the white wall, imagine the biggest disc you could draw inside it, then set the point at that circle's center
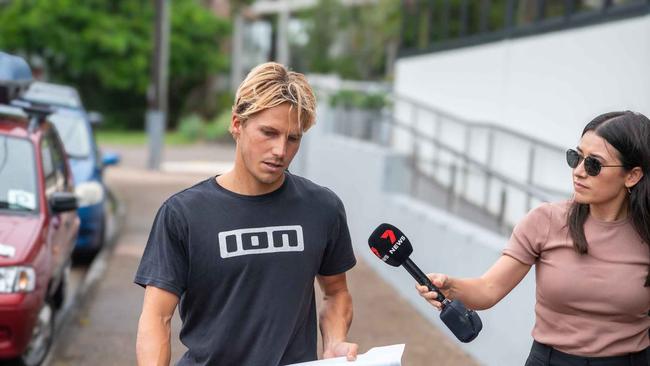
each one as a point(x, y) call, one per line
point(548, 86)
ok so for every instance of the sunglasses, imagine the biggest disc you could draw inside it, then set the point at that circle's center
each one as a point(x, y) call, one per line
point(592, 165)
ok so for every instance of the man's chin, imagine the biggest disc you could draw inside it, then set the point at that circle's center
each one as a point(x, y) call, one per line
point(270, 180)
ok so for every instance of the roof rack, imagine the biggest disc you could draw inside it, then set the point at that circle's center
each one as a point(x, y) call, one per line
point(36, 113)
point(12, 112)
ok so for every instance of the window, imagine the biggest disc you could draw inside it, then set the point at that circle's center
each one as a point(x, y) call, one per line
point(18, 189)
point(74, 133)
point(54, 164)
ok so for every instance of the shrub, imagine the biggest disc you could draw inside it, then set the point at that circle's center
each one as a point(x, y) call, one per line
point(191, 127)
point(217, 129)
point(356, 99)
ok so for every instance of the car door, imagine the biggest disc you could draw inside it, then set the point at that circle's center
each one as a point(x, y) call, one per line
point(63, 225)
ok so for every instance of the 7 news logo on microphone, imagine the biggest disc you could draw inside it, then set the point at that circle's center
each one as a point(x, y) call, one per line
point(390, 245)
point(392, 238)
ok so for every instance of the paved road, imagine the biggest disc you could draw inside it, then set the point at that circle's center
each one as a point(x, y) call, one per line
point(103, 332)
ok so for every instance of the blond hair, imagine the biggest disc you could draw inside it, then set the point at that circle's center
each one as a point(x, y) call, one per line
point(270, 84)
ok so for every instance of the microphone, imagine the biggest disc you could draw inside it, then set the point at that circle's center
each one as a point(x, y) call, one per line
point(390, 245)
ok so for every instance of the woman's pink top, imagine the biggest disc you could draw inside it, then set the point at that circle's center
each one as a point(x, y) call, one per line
point(589, 305)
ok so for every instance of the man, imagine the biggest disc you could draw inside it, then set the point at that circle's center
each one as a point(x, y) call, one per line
point(239, 252)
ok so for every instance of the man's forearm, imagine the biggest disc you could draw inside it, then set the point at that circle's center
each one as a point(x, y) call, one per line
point(335, 318)
point(153, 345)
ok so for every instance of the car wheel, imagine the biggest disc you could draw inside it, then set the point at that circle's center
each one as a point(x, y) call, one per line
point(42, 336)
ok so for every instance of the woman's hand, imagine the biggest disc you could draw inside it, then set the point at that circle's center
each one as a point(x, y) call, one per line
point(442, 282)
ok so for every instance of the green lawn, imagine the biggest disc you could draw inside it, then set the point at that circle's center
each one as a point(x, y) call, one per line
point(137, 138)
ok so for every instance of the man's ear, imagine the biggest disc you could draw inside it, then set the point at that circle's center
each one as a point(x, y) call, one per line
point(235, 126)
point(633, 177)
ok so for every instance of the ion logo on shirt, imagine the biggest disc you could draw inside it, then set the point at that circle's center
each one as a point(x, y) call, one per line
point(261, 240)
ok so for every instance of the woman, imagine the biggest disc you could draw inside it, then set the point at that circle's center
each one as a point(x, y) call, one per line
point(591, 255)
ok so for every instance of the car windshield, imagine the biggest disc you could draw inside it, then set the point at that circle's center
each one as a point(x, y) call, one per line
point(18, 191)
point(74, 133)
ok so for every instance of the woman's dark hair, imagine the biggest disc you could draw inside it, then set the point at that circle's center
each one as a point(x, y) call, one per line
point(629, 133)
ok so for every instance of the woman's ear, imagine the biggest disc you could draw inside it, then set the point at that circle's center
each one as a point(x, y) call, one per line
point(633, 177)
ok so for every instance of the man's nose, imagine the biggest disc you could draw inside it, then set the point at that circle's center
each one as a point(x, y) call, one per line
point(279, 148)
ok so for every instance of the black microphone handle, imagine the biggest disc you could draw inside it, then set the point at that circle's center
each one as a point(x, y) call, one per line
point(422, 279)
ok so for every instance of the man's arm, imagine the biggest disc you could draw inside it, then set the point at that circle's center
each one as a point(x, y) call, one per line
point(153, 345)
point(335, 317)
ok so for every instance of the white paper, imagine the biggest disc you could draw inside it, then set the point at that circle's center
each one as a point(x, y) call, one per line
point(378, 356)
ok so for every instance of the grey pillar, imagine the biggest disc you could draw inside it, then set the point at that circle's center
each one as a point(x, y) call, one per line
point(282, 40)
point(237, 66)
point(156, 117)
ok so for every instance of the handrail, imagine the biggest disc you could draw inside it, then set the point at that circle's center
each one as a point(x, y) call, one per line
point(476, 124)
point(462, 164)
point(531, 190)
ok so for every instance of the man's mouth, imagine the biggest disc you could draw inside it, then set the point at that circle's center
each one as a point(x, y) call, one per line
point(273, 165)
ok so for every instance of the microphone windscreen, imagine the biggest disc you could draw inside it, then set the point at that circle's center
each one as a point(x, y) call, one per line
point(390, 244)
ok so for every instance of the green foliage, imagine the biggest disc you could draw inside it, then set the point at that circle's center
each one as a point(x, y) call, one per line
point(350, 41)
point(104, 48)
point(218, 128)
point(135, 138)
point(322, 24)
point(191, 127)
point(224, 101)
point(372, 30)
point(433, 21)
point(355, 99)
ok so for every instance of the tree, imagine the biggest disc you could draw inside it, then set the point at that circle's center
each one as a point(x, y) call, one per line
point(104, 48)
point(355, 42)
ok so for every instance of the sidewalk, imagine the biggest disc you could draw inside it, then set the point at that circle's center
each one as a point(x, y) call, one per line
point(104, 332)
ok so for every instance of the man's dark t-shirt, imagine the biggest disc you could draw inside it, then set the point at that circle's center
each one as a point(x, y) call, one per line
point(244, 268)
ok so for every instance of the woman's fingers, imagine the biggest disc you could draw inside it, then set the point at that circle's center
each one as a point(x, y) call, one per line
point(438, 279)
point(430, 296)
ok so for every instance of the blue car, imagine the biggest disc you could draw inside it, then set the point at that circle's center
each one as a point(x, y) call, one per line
point(74, 125)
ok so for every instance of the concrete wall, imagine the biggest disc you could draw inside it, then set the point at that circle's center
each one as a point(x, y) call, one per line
point(548, 86)
point(368, 179)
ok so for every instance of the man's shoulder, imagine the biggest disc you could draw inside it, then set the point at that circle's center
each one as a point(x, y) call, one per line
point(189, 195)
point(315, 191)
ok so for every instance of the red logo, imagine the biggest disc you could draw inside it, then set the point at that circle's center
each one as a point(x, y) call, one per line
point(374, 250)
point(390, 235)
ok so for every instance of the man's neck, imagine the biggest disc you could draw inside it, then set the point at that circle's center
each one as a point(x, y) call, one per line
point(245, 184)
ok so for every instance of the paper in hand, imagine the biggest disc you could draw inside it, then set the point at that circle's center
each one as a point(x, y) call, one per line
point(378, 356)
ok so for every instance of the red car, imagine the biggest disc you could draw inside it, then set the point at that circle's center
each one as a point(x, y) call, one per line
point(38, 228)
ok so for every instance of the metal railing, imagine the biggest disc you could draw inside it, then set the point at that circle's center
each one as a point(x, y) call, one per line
point(467, 167)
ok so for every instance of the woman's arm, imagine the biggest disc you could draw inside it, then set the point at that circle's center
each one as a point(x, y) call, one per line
point(478, 293)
